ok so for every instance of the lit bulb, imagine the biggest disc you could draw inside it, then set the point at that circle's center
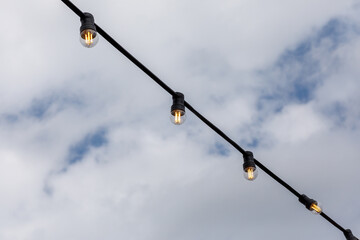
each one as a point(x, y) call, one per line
point(89, 38)
point(315, 208)
point(250, 173)
point(88, 35)
point(250, 170)
point(310, 204)
point(177, 113)
point(178, 117)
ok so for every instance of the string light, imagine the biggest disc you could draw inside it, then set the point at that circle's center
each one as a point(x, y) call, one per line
point(89, 38)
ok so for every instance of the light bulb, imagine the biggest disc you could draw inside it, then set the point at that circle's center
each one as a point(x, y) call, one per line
point(88, 35)
point(177, 113)
point(250, 173)
point(250, 170)
point(89, 38)
point(178, 117)
point(315, 208)
point(310, 204)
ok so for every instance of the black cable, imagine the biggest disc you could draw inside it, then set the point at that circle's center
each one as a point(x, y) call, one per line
point(74, 8)
point(216, 129)
point(134, 60)
point(188, 106)
point(115, 44)
point(121, 49)
point(333, 222)
point(276, 178)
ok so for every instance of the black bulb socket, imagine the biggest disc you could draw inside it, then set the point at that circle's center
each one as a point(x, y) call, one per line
point(307, 201)
point(349, 236)
point(178, 102)
point(87, 22)
point(249, 160)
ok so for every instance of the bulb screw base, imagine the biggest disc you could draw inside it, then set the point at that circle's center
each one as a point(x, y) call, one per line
point(87, 22)
point(349, 236)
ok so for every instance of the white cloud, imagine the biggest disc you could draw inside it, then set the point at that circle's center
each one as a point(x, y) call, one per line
point(296, 123)
point(152, 180)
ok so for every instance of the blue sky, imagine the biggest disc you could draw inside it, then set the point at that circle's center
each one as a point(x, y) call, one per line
point(87, 149)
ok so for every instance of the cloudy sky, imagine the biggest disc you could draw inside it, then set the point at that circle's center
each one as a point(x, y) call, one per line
point(87, 150)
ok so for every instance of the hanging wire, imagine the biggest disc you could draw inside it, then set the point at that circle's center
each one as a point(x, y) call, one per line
point(114, 43)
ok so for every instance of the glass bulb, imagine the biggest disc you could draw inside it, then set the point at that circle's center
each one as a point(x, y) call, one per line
point(251, 173)
point(89, 38)
point(315, 208)
point(178, 117)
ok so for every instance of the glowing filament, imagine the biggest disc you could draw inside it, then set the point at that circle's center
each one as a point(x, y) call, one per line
point(177, 117)
point(88, 38)
point(250, 173)
point(315, 208)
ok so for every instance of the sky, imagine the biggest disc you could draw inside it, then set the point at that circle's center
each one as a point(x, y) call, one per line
point(87, 150)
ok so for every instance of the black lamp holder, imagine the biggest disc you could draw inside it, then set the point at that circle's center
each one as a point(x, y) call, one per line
point(87, 22)
point(349, 236)
point(178, 102)
point(248, 160)
point(307, 201)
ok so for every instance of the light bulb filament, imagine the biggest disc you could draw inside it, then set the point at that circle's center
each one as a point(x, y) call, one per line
point(177, 117)
point(88, 38)
point(316, 208)
point(250, 173)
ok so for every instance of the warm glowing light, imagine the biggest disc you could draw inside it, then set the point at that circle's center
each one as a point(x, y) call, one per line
point(89, 38)
point(177, 117)
point(250, 173)
point(315, 208)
